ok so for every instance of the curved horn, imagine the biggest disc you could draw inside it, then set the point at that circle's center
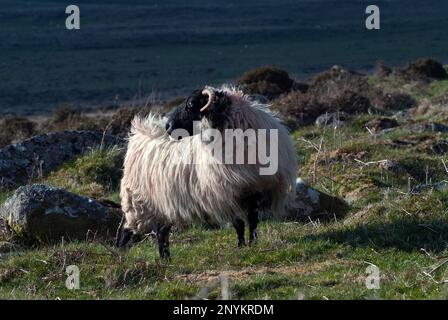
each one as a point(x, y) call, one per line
point(211, 97)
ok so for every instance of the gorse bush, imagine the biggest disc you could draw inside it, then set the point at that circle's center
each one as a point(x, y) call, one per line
point(422, 69)
point(268, 81)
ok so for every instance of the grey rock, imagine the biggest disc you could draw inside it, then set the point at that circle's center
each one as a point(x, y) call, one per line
point(39, 213)
point(439, 186)
point(392, 165)
point(335, 119)
point(314, 204)
point(35, 157)
point(431, 127)
point(311, 204)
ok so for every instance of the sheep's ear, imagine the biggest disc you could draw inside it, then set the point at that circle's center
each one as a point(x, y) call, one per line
point(217, 101)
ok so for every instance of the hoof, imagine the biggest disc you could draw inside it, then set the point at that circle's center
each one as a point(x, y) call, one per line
point(165, 255)
point(241, 244)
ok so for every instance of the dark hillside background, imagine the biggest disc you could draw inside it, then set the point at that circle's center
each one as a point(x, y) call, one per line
point(129, 50)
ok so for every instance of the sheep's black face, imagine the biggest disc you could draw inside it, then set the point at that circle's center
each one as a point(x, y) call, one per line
point(184, 116)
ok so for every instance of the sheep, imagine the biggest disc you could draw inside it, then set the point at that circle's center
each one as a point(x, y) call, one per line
point(177, 179)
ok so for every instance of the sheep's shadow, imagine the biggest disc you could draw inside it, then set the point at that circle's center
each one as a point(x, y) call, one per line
point(406, 234)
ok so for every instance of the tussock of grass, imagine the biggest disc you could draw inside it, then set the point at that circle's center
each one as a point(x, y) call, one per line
point(95, 174)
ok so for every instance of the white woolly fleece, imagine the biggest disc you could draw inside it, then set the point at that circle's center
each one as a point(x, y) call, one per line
point(159, 187)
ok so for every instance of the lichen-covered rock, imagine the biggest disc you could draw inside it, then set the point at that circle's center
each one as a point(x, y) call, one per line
point(46, 214)
point(334, 119)
point(37, 156)
point(315, 204)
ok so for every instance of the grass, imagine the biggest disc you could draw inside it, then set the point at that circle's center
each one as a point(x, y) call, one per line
point(95, 174)
point(312, 261)
point(405, 235)
point(389, 225)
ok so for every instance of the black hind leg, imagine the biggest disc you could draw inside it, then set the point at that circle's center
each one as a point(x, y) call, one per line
point(163, 241)
point(126, 238)
point(253, 222)
point(239, 227)
point(252, 204)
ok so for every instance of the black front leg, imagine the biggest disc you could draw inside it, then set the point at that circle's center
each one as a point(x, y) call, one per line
point(163, 241)
point(239, 227)
point(253, 222)
point(125, 238)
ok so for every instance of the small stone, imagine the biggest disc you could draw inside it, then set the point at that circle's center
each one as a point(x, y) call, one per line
point(392, 165)
point(335, 119)
point(380, 124)
point(430, 127)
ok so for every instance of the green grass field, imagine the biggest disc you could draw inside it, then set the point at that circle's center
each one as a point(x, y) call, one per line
point(291, 261)
point(403, 233)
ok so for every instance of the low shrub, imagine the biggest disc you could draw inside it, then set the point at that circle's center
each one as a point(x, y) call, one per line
point(15, 129)
point(268, 81)
point(390, 101)
point(424, 70)
point(120, 122)
point(70, 118)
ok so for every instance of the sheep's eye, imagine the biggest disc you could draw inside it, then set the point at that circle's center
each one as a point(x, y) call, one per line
point(189, 105)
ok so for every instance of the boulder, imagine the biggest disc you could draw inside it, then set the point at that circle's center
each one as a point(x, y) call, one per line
point(314, 204)
point(43, 214)
point(37, 156)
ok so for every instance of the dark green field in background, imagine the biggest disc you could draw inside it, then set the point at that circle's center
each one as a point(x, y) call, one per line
point(135, 50)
